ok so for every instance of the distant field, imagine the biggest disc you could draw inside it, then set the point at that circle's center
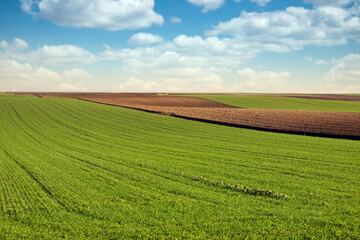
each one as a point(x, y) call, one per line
point(75, 169)
point(344, 125)
point(263, 102)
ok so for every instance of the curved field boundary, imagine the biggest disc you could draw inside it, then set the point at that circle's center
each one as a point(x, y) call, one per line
point(344, 125)
point(310, 123)
point(140, 99)
point(127, 173)
point(282, 102)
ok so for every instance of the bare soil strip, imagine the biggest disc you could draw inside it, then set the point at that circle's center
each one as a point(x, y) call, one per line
point(138, 99)
point(312, 123)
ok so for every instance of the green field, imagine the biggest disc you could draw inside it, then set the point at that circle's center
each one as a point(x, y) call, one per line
point(264, 102)
point(80, 170)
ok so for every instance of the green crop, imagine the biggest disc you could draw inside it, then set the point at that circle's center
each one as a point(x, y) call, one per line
point(276, 102)
point(71, 169)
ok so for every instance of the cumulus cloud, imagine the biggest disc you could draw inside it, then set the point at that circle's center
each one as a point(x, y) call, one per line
point(261, 3)
point(193, 64)
point(192, 79)
point(145, 39)
point(113, 15)
point(16, 76)
point(175, 20)
point(202, 80)
point(48, 55)
point(23, 76)
point(58, 55)
point(207, 5)
point(182, 80)
point(136, 85)
point(266, 81)
point(76, 73)
point(184, 64)
point(293, 28)
point(182, 52)
point(16, 45)
point(66, 87)
point(344, 76)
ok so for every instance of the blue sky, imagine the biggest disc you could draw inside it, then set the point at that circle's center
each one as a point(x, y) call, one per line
point(180, 45)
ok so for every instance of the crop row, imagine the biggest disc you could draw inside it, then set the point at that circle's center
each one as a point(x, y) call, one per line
point(71, 168)
point(279, 102)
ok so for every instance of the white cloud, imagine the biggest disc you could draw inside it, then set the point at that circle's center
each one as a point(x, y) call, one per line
point(182, 80)
point(113, 15)
point(187, 64)
point(207, 5)
point(293, 28)
point(18, 76)
point(145, 39)
point(192, 80)
point(337, 3)
point(318, 61)
point(15, 76)
point(27, 6)
point(344, 76)
point(261, 3)
point(136, 85)
point(175, 20)
point(266, 81)
point(59, 55)
point(66, 87)
point(182, 52)
point(16, 45)
point(76, 74)
point(193, 64)
point(26, 70)
point(202, 80)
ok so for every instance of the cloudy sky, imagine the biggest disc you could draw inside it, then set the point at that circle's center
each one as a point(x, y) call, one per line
point(180, 45)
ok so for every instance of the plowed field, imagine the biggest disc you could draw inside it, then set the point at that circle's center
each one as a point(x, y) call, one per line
point(137, 99)
point(73, 169)
point(314, 123)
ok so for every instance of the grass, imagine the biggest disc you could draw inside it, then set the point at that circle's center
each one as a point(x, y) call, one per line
point(264, 102)
point(74, 169)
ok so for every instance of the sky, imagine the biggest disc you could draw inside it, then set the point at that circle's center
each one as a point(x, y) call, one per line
point(265, 46)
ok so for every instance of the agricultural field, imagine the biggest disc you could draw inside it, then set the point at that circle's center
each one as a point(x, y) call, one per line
point(309, 102)
point(71, 168)
point(314, 123)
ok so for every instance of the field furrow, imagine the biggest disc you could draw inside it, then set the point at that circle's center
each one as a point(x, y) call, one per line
point(86, 170)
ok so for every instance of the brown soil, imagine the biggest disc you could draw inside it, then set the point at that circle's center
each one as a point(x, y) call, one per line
point(314, 123)
point(138, 99)
point(148, 101)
